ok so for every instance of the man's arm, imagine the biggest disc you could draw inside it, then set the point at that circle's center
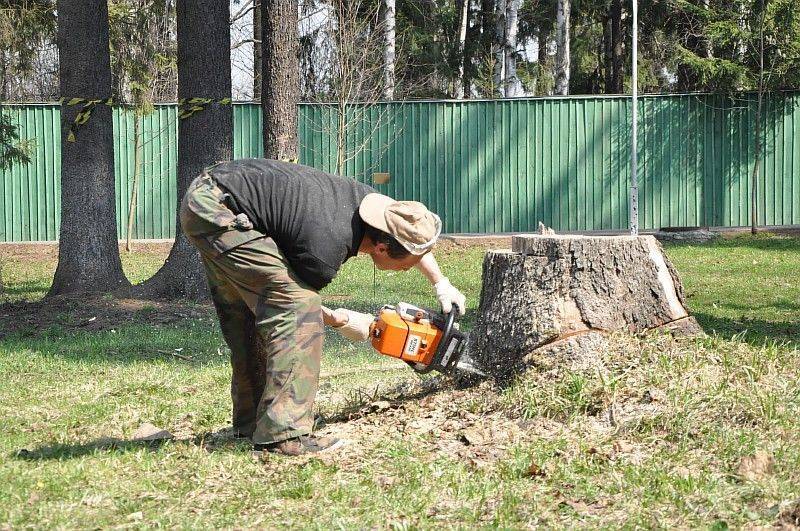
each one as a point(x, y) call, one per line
point(430, 269)
point(334, 318)
point(445, 291)
point(352, 325)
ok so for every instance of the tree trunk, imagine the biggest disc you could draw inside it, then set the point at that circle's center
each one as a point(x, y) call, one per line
point(389, 49)
point(137, 165)
point(563, 8)
point(759, 111)
point(608, 55)
point(280, 91)
point(706, 47)
point(204, 138)
point(513, 86)
point(617, 85)
point(499, 48)
point(542, 86)
point(567, 292)
point(460, 51)
point(88, 257)
point(257, 67)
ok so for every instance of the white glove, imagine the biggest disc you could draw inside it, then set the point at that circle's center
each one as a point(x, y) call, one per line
point(448, 295)
point(357, 326)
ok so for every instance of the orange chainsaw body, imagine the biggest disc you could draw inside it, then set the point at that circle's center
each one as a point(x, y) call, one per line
point(411, 339)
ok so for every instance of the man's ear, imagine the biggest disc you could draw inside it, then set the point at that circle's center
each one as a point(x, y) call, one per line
point(381, 248)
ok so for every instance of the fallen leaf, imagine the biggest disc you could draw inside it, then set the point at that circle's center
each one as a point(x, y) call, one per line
point(756, 466)
point(92, 500)
point(380, 405)
point(471, 437)
point(262, 456)
point(654, 395)
point(149, 432)
point(623, 447)
point(790, 516)
point(583, 508)
point(535, 471)
point(385, 481)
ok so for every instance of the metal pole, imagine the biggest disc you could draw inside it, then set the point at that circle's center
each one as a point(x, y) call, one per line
point(634, 198)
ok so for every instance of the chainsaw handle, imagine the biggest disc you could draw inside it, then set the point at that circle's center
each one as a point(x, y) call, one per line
point(448, 327)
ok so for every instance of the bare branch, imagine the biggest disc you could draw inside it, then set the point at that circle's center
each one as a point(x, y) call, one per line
point(243, 42)
point(246, 8)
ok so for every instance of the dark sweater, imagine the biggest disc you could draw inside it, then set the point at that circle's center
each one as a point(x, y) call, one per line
point(311, 215)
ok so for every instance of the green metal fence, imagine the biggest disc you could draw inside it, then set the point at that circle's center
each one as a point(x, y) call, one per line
point(484, 166)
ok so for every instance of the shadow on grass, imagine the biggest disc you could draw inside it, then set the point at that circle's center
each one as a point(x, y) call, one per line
point(211, 442)
point(755, 332)
point(777, 241)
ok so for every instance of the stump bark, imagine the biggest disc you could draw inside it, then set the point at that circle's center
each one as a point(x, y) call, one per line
point(561, 293)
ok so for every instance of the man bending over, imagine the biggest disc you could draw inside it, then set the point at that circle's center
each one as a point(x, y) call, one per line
point(271, 235)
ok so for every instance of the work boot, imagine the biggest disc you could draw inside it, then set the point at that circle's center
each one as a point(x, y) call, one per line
point(305, 444)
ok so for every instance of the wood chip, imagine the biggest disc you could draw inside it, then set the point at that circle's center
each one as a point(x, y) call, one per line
point(149, 432)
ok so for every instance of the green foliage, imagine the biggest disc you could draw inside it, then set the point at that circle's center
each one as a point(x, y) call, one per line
point(27, 29)
point(143, 51)
point(12, 149)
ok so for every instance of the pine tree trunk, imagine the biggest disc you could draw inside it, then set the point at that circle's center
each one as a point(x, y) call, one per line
point(562, 67)
point(206, 137)
point(513, 86)
point(88, 257)
point(608, 56)
point(566, 292)
point(389, 49)
point(280, 91)
point(499, 48)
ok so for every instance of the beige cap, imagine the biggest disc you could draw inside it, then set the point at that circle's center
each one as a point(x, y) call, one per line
point(409, 222)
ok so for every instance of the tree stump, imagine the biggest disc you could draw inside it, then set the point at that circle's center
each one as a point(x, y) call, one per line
point(565, 293)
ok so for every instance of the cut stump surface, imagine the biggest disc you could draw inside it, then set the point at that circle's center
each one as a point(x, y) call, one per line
point(548, 289)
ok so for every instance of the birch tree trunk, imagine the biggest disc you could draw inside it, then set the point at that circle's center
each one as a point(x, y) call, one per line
point(88, 258)
point(389, 49)
point(513, 86)
point(280, 90)
point(563, 8)
point(462, 40)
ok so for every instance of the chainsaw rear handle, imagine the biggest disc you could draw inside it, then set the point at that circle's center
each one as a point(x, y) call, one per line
point(448, 327)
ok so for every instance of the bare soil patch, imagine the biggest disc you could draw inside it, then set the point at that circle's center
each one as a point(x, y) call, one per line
point(93, 313)
point(33, 252)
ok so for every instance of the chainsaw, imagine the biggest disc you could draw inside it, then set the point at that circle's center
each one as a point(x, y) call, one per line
point(424, 339)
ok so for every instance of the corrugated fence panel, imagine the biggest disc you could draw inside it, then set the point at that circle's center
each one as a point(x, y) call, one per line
point(154, 217)
point(30, 193)
point(484, 166)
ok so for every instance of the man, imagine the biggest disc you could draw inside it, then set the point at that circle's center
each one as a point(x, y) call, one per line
point(271, 235)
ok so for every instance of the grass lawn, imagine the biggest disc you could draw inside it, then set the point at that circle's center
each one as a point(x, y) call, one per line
point(699, 433)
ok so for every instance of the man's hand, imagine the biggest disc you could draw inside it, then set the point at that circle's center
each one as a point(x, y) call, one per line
point(356, 327)
point(448, 295)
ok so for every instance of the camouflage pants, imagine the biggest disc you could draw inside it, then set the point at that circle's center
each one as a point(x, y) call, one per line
point(270, 319)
